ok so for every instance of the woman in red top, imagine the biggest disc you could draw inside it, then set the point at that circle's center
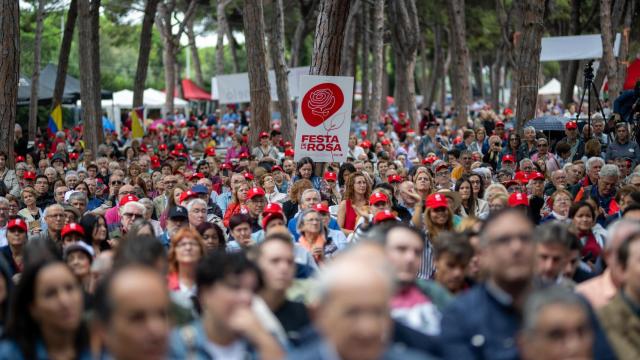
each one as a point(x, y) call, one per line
point(238, 203)
point(591, 234)
point(356, 195)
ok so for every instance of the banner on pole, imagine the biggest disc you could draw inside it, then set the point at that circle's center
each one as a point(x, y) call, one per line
point(324, 118)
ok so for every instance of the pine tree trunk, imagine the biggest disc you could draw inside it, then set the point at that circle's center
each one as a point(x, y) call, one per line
point(65, 51)
point(608, 58)
point(304, 26)
point(194, 53)
point(496, 70)
point(144, 50)
point(460, 57)
point(330, 27)
point(348, 60)
point(9, 74)
point(35, 77)
point(276, 47)
point(89, 54)
point(405, 33)
point(624, 43)
point(437, 70)
point(528, 61)
point(256, 63)
point(571, 73)
point(221, 31)
point(364, 67)
point(233, 46)
point(377, 47)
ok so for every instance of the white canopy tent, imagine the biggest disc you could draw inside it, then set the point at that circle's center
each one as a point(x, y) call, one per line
point(578, 47)
point(152, 99)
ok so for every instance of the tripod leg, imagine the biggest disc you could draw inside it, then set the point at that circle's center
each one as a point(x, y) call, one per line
point(584, 92)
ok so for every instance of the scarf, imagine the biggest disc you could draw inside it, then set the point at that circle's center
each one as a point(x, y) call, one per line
point(589, 244)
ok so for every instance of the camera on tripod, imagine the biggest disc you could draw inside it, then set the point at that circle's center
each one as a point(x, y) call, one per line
point(588, 73)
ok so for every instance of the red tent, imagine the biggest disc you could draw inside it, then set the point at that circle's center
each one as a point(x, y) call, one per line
point(193, 91)
point(633, 74)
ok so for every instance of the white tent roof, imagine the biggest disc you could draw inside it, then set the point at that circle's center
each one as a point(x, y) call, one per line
point(553, 87)
point(578, 47)
point(152, 99)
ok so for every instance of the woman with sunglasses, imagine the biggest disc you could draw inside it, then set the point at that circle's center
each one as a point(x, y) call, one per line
point(544, 154)
point(493, 156)
point(513, 146)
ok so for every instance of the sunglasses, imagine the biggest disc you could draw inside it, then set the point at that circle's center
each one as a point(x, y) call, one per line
point(116, 182)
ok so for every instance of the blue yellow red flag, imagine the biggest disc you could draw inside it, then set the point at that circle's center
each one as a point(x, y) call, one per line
point(137, 123)
point(55, 120)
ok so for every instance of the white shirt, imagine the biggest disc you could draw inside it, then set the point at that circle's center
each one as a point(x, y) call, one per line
point(3, 236)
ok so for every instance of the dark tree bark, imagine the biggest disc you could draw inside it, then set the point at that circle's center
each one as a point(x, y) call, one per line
point(609, 61)
point(276, 50)
point(571, 72)
point(617, 16)
point(144, 50)
point(437, 70)
point(171, 43)
point(377, 47)
point(258, 76)
point(347, 63)
point(233, 46)
point(364, 66)
point(89, 54)
point(460, 55)
point(327, 47)
point(405, 33)
point(194, 53)
point(624, 44)
point(528, 61)
point(35, 76)
point(9, 73)
point(65, 50)
point(305, 25)
point(221, 32)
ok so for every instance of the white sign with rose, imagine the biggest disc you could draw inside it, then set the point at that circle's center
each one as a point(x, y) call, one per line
point(324, 118)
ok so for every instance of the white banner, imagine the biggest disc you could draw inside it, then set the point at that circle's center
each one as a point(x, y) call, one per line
point(324, 118)
point(234, 88)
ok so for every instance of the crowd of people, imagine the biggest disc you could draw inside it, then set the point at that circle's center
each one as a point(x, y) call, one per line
point(433, 242)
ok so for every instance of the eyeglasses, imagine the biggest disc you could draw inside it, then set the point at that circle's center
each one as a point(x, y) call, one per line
point(496, 144)
point(313, 220)
point(127, 192)
point(116, 182)
point(132, 216)
point(442, 174)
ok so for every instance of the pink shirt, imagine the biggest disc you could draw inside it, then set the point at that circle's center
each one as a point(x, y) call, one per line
point(599, 291)
point(112, 216)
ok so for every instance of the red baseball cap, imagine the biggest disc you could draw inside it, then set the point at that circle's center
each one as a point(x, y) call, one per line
point(366, 144)
point(517, 199)
point(536, 176)
point(384, 215)
point(522, 176)
point(499, 123)
point(179, 146)
point(386, 142)
point(162, 147)
point(330, 176)
point(197, 175)
point(127, 199)
point(571, 125)
point(289, 152)
point(276, 168)
point(364, 116)
point(287, 144)
point(272, 208)
point(248, 176)
point(441, 166)
point(40, 145)
point(244, 155)
point(73, 156)
point(508, 158)
point(266, 219)
point(437, 200)
point(321, 208)
point(429, 160)
point(264, 134)
point(380, 133)
point(226, 166)
point(72, 228)
point(210, 151)
point(186, 195)
point(143, 148)
point(392, 179)
point(29, 175)
point(17, 223)
point(253, 192)
point(378, 197)
point(20, 158)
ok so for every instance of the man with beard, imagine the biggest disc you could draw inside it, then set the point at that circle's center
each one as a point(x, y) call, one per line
point(622, 147)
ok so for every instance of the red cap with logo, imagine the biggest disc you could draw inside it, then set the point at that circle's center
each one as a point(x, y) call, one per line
point(276, 168)
point(429, 160)
point(378, 197)
point(73, 156)
point(394, 179)
point(127, 199)
point(330, 176)
point(289, 152)
point(197, 175)
point(179, 147)
point(386, 142)
point(536, 176)
point(210, 151)
point(499, 124)
point(517, 199)
point(287, 144)
point(437, 200)
point(522, 176)
point(441, 166)
point(186, 195)
point(253, 192)
point(244, 155)
point(272, 208)
point(264, 134)
point(226, 166)
point(365, 144)
point(162, 147)
point(29, 175)
point(17, 223)
point(321, 208)
point(20, 159)
point(248, 176)
point(384, 215)
point(72, 228)
point(266, 218)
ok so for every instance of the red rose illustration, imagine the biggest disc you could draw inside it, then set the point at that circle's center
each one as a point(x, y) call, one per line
point(321, 102)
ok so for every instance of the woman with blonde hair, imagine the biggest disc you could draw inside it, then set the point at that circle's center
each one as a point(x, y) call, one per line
point(31, 213)
point(356, 196)
point(560, 202)
point(290, 207)
point(423, 182)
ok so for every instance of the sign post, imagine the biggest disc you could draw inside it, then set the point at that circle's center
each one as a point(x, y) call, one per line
point(324, 118)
